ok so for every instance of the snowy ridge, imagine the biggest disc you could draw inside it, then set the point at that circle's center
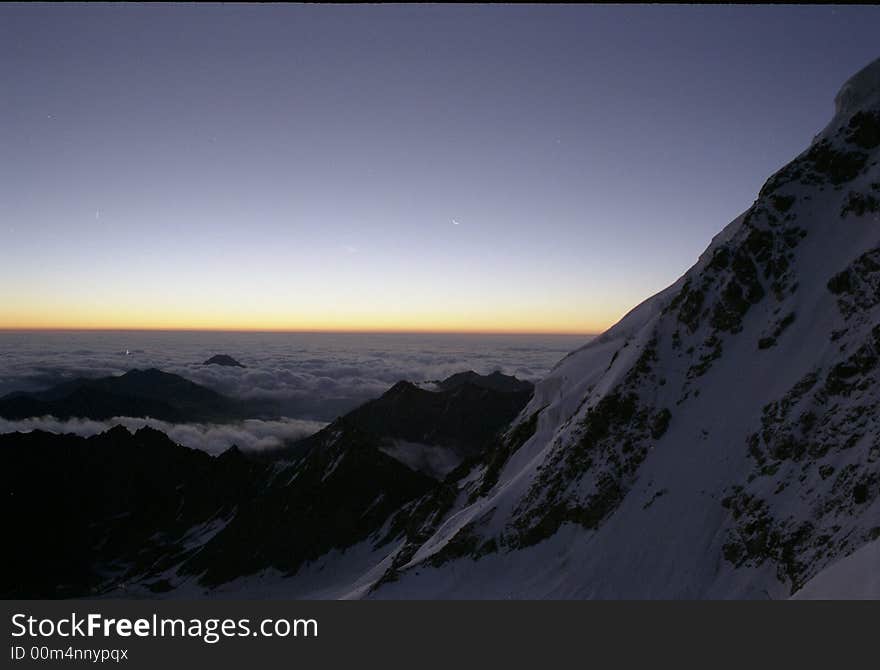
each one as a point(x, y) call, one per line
point(861, 91)
point(720, 440)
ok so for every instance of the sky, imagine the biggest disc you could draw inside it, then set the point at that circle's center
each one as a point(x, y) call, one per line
point(425, 168)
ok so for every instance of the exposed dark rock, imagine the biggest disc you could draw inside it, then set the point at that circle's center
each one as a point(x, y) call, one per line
point(223, 359)
point(495, 381)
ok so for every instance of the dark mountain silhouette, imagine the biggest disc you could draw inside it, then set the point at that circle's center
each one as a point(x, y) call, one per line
point(464, 417)
point(139, 393)
point(83, 511)
point(415, 425)
point(140, 509)
point(495, 381)
point(338, 494)
point(90, 515)
point(223, 359)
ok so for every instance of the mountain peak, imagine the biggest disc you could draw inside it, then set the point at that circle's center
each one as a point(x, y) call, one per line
point(116, 431)
point(402, 386)
point(860, 91)
point(146, 373)
point(496, 381)
point(223, 359)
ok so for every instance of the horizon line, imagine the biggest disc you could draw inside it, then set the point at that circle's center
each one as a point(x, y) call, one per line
point(303, 331)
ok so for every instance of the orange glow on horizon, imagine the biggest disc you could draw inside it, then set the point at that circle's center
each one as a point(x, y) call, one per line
point(377, 326)
point(317, 329)
point(353, 331)
point(550, 317)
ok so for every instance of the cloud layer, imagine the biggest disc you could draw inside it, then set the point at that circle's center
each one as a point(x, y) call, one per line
point(298, 375)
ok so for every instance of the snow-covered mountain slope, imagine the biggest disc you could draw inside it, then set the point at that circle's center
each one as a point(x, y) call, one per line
point(721, 440)
point(856, 577)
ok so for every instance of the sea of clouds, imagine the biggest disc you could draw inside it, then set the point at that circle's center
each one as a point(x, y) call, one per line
point(304, 379)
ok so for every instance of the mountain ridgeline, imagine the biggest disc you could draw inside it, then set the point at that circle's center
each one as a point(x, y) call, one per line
point(137, 393)
point(432, 430)
point(139, 513)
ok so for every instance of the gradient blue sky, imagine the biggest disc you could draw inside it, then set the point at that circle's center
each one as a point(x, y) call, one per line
point(300, 167)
